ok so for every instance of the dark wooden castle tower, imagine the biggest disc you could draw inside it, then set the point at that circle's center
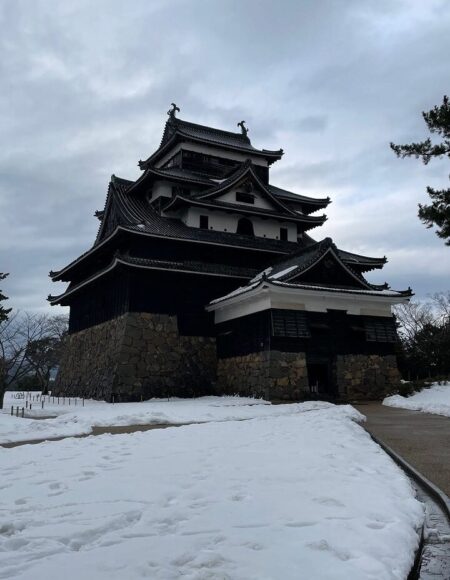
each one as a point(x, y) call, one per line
point(203, 278)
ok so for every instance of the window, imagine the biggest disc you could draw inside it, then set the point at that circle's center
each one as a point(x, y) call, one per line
point(204, 222)
point(284, 234)
point(245, 227)
point(380, 329)
point(245, 197)
point(290, 324)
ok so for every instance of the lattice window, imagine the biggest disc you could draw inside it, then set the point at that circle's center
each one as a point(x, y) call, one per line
point(290, 324)
point(380, 329)
point(243, 197)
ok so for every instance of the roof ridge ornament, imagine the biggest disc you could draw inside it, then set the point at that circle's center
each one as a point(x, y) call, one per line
point(244, 129)
point(173, 111)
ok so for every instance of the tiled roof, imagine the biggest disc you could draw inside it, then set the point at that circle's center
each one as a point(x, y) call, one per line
point(134, 214)
point(209, 136)
point(236, 139)
point(303, 259)
point(359, 260)
point(303, 199)
point(181, 174)
point(254, 285)
point(194, 266)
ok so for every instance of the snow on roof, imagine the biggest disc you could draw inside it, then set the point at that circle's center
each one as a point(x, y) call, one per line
point(258, 279)
point(240, 290)
point(283, 272)
point(261, 274)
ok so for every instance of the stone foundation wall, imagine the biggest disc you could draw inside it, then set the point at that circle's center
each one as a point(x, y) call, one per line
point(137, 355)
point(140, 355)
point(283, 376)
point(366, 376)
point(272, 375)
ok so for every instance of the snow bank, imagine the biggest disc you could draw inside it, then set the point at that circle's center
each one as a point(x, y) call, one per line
point(435, 399)
point(304, 495)
point(78, 420)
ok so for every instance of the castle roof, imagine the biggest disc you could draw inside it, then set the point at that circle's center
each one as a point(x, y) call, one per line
point(308, 204)
point(177, 130)
point(185, 266)
point(289, 273)
point(129, 217)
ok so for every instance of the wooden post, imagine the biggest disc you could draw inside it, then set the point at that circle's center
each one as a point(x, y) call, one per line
point(17, 411)
point(83, 401)
point(23, 412)
point(12, 410)
point(42, 402)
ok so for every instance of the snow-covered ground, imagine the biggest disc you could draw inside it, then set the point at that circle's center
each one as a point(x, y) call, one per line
point(281, 496)
point(435, 399)
point(78, 420)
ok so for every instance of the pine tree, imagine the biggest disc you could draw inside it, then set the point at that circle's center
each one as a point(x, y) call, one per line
point(438, 212)
point(3, 311)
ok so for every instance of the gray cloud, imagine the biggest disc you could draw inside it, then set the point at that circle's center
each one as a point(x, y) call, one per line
point(85, 88)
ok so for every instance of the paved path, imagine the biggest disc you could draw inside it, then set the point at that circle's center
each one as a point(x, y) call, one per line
point(422, 439)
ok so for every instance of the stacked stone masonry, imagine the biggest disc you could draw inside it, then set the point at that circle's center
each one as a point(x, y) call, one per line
point(137, 355)
point(140, 355)
point(270, 375)
point(366, 377)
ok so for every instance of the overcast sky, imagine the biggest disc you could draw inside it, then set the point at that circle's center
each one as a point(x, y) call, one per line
point(85, 86)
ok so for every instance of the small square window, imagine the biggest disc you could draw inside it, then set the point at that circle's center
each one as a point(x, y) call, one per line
point(204, 222)
point(245, 197)
point(284, 234)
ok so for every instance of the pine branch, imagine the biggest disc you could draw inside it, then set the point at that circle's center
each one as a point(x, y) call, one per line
point(424, 149)
point(438, 119)
point(438, 213)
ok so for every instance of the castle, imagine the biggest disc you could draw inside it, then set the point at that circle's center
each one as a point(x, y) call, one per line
point(204, 278)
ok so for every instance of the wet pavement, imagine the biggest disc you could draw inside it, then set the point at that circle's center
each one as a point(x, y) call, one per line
point(422, 439)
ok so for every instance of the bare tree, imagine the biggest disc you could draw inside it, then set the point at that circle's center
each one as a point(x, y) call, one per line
point(441, 306)
point(44, 353)
point(413, 317)
point(424, 330)
point(29, 343)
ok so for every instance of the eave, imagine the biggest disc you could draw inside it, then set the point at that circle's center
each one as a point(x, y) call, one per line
point(151, 173)
point(179, 135)
point(251, 290)
point(246, 170)
point(158, 265)
point(57, 276)
point(313, 204)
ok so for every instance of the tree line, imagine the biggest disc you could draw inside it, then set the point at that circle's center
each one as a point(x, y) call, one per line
point(30, 348)
point(424, 333)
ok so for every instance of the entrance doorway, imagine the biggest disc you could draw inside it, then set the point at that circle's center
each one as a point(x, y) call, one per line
point(245, 227)
point(319, 378)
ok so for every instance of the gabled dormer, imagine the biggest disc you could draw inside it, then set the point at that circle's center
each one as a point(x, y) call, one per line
point(242, 204)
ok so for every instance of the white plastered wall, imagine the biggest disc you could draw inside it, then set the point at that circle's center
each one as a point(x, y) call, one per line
point(161, 188)
point(227, 222)
point(264, 298)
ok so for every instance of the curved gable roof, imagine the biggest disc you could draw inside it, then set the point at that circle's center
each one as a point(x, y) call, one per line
point(246, 171)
